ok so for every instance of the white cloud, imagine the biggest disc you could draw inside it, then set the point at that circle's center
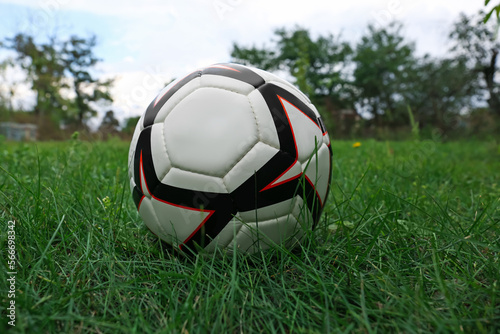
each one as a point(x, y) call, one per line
point(133, 91)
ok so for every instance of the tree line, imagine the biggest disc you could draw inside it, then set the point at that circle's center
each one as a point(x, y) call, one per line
point(382, 81)
point(375, 87)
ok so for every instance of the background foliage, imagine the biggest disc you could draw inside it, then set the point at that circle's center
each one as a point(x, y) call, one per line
point(362, 89)
point(368, 88)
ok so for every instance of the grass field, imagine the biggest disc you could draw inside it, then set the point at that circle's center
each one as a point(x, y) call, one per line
point(409, 242)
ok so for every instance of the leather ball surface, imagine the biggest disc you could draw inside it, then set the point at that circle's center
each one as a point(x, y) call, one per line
point(230, 156)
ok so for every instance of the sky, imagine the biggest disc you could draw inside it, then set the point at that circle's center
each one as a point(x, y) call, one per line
point(145, 44)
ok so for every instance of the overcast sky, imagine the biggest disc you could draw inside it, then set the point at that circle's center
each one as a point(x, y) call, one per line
point(144, 44)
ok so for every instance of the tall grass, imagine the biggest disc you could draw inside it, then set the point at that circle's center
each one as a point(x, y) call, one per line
point(409, 242)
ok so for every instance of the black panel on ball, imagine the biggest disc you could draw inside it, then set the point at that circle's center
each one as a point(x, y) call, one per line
point(236, 72)
point(137, 196)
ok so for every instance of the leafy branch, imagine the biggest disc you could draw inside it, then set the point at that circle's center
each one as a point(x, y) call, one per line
point(495, 9)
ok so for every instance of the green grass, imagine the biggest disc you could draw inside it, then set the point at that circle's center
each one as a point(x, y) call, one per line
point(409, 242)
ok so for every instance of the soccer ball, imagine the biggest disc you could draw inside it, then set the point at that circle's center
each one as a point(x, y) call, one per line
point(230, 156)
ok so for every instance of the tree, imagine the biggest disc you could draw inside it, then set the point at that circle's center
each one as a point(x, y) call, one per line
point(56, 69)
point(475, 43)
point(130, 124)
point(109, 123)
point(441, 90)
point(44, 71)
point(6, 93)
point(319, 66)
point(385, 64)
point(79, 60)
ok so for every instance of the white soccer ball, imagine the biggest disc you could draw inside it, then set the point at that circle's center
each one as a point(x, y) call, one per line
point(230, 156)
